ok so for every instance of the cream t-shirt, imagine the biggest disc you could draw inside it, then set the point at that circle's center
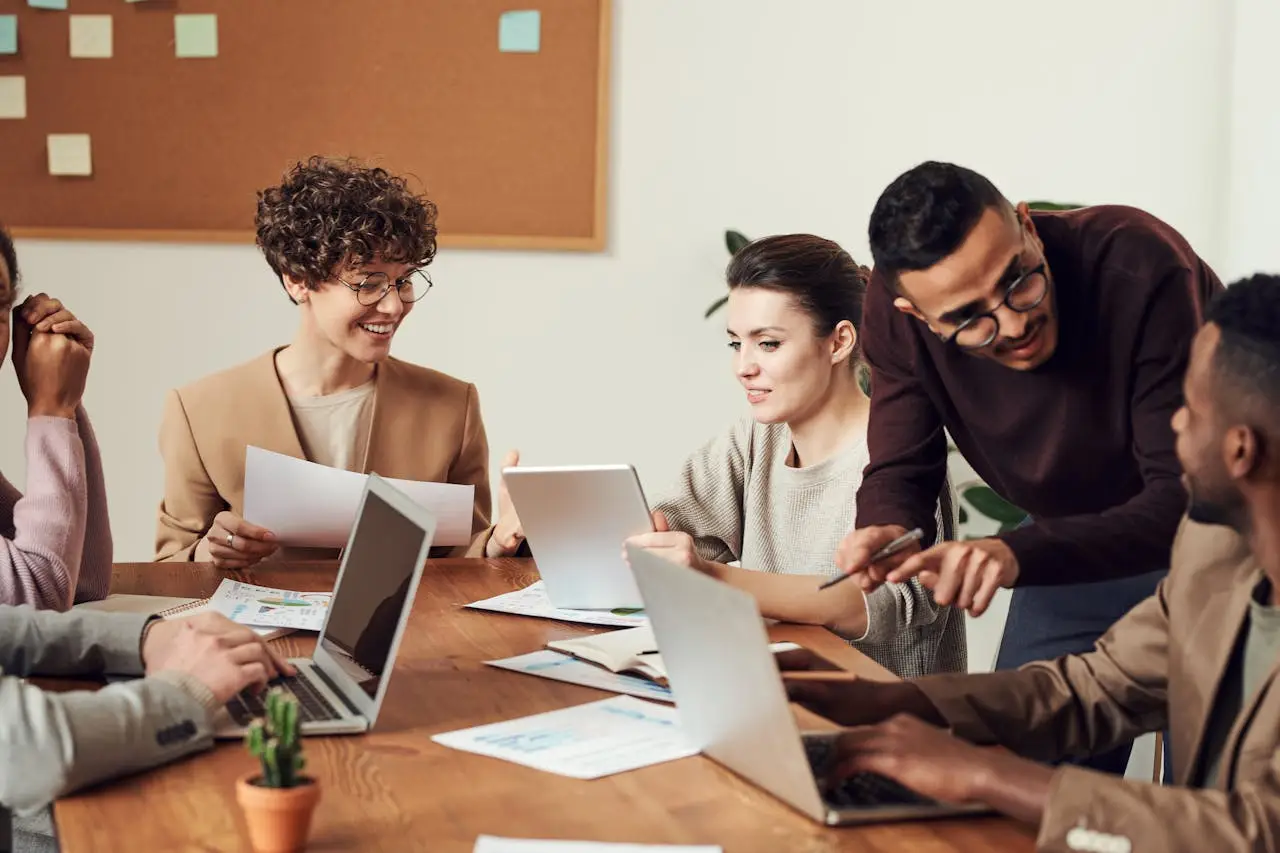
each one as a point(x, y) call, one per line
point(334, 429)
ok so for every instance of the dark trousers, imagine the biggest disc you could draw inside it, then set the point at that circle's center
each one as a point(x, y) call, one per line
point(1046, 622)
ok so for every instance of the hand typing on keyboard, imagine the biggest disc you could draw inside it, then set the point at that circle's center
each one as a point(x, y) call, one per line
point(893, 761)
point(222, 655)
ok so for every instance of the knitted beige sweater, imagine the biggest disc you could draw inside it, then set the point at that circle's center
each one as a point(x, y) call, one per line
point(740, 501)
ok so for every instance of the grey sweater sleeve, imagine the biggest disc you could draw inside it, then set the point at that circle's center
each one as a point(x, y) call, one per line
point(707, 500)
point(54, 743)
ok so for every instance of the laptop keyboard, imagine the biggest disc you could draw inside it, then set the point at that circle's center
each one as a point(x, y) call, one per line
point(312, 706)
point(859, 790)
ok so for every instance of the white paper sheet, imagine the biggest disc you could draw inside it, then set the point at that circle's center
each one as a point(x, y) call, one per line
point(532, 601)
point(582, 742)
point(495, 844)
point(263, 606)
point(313, 506)
point(562, 667)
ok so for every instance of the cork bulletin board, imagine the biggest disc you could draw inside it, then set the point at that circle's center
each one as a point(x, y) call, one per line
point(497, 110)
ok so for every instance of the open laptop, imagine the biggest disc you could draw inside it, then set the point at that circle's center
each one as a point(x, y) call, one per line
point(341, 686)
point(734, 708)
point(575, 519)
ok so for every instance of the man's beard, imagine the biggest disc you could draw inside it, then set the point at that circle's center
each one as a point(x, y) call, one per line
point(1224, 510)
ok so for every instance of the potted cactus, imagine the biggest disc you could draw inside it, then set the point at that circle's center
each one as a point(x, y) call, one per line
point(277, 800)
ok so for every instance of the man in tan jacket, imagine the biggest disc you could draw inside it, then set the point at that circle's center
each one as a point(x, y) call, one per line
point(1199, 657)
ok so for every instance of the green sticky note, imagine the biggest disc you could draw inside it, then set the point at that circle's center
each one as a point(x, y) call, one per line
point(520, 31)
point(8, 34)
point(195, 36)
point(47, 4)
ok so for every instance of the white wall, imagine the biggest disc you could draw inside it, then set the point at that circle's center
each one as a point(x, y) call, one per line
point(755, 114)
point(1253, 213)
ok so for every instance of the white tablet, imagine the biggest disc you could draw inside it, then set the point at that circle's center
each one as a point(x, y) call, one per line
point(576, 518)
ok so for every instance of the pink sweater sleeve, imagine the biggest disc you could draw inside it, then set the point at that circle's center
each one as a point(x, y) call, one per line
point(44, 530)
point(95, 564)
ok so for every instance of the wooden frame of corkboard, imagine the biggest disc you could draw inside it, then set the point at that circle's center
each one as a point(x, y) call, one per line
point(513, 147)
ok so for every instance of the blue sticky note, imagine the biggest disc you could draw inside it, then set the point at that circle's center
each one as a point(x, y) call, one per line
point(520, 31)
point(47, 4)
point(8, 34)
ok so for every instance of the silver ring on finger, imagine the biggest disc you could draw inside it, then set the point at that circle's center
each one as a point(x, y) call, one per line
point(231, 541)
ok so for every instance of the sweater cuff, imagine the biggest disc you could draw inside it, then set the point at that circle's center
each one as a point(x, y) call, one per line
point(192, 686)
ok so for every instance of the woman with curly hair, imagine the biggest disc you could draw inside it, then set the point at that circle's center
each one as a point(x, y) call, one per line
point(350, 245)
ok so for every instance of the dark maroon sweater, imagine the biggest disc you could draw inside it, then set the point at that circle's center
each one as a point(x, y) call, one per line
point(1084, 442)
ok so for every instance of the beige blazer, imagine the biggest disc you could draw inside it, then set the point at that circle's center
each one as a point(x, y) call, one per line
point(1161, 665)
point(426, 426)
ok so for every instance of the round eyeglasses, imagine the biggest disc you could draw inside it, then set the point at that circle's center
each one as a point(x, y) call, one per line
point(981, 330)
point(370, 289)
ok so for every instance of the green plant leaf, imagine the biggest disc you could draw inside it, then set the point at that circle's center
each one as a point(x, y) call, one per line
point(734, 241)
point(963, 514)
point(1052, 205)
point(715, 306)
point(986, 501)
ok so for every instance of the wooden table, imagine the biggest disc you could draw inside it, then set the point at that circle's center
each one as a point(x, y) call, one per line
point(396, 790)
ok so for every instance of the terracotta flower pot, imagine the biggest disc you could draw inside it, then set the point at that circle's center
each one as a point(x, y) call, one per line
point(279, 819)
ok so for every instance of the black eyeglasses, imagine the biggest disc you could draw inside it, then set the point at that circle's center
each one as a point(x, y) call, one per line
point(1024, 294)
point(374, 286)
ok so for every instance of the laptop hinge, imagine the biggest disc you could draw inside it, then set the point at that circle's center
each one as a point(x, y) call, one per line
point(337, 691)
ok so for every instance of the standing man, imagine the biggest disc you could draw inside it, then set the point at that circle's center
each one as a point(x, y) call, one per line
point(1052, 347)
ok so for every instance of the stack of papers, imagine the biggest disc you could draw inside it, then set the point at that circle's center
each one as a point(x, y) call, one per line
point(583, 742)
point(533, 601)
point(494, 844)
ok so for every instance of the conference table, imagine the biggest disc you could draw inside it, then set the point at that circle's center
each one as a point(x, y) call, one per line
point(394, 789)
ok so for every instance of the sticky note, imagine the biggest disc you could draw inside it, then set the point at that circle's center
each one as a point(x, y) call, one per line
point(520, 31)
point(69, 154)
point(8, 34)
point(91, 36)
point(13, 97)
point(47, 4)
point(195, 36)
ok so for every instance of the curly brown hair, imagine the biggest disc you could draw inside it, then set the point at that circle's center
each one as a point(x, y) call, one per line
point(331, 212)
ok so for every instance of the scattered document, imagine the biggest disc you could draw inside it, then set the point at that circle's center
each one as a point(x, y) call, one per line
point(533, 601)
point(520, 31)
point(562, 667)
point(264, 607)
point(195, 36)
point(307, 505)
point(8, 34)
point(70, 154)
point(91, 37)
point(13, 97)
point(583, 742)
point(494, 844)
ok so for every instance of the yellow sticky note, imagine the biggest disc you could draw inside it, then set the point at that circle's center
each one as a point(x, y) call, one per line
point(13, 97)
point(91, 36)
point(69, 154)
point(195, 36)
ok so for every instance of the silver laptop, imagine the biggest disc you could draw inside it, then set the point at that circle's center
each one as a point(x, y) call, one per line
point(341, 686)
point(734, 708)
point(576, 518)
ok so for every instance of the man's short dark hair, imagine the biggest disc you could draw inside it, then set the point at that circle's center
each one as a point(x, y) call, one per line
point(925, 214)
point(1247, 361)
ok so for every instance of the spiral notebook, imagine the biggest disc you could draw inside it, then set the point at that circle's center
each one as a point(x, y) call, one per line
point(168, 607)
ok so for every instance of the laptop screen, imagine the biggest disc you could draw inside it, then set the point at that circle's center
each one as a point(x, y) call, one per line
point(367, 605)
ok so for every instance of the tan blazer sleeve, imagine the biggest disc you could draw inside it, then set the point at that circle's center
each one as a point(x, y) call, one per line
point(190, 499)
point(1073, 706)
point(471, 468)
